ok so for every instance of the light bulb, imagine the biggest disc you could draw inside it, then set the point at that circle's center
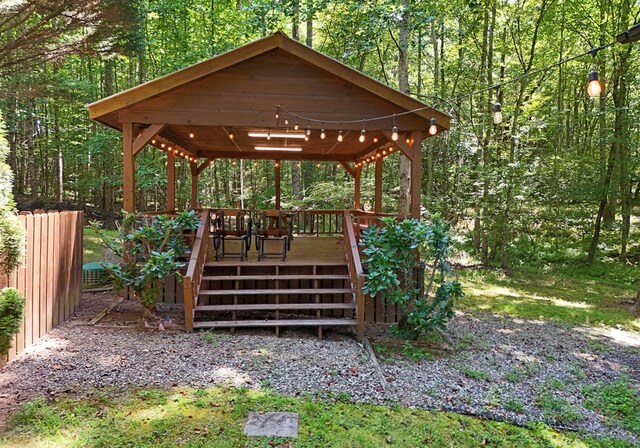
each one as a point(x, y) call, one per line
point(277, 115)
point(231, 135)
point(286, 121)
point(210, 162)
point(297, 126)
point(308, 130)
point(407, 140)
point(162, 145)
point(191, 135)
point(497, 113)
point(378, 155)
point(181, 154)
point(175, 151)
point(169, 148)
point(595, 88)
point(384, 153)
point(433, 129)
point(153, 142)
point(375, 139)
point(306, 138)
point(317, 165)
point(269, 135)
point(394, 134)
point(361, 138)
point(277, 165)
point(322, 134)
point(340, 137)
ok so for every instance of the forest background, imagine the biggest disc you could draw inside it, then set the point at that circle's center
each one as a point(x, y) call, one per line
point(558, 181)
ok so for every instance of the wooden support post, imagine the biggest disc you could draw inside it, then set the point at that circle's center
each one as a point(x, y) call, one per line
point(277, 180)
point(171, 181)
point(416, 174)
point(194, 185)
point(128, 168)
point(377, 207)
point(356, 189)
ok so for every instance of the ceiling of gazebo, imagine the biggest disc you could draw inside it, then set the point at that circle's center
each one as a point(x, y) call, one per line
point(239, 92)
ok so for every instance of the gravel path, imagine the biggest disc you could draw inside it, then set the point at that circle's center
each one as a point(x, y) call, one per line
point(502, 368)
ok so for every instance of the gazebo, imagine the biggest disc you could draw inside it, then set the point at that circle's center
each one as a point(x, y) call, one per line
point(274, 99)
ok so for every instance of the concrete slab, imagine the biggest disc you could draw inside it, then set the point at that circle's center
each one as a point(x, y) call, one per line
point(272, 424)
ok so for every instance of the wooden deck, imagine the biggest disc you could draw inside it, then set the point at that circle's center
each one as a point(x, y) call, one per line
point(305, 251)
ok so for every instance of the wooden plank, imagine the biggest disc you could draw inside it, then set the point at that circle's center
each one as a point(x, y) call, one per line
point(274, 323)
point(28, 294)
point(22, 286)
point(416, 175)
point(145, 137)
point(281, 291)
point(128, 168)
point(37, 276)
point(55, 273)
point(277, 183)
point(377, 207)
point(171, 181)
point(274, 277)
point(188, 304)
point(277, 307)
point(45, 260)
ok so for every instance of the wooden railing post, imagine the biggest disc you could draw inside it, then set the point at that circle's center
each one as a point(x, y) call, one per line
point(188, 304)
point(193, 277)
point(356, 273)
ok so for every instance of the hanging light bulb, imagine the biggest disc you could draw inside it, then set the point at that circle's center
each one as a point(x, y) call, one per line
point(269, 134)
point(175, 151)
point(162, 145)
point(595, 88)
point(286, 120)
point(361, 138)
point(384, 153)
point(308, 130)
point(191, 135)
point(297, 126)
point(340, 137)
point(433, 129)
point(317, 165)
point(153, 142)
point(169, 148)
point(322, 134)
point(210, 162)
point(306, 138)
point(407, 140)
point(231, 135)
point(394, 134)
point(277, 113)
point(497, 113)
point(375, 139)
point(181, 154)
point(277, 164)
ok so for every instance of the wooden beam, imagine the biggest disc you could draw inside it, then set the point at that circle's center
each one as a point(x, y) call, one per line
point(204, 165)
point(277, 181)
point(406, 149)
point(128, 168)
point(194, 185)
point(171, 181)
point(416, 174)
point(377, 202)
point(146, 136)
point(275, 155)
point(348, 167)
point(356, 189)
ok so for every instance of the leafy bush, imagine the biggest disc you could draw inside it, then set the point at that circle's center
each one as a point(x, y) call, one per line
point(392, 264)
point(11, 311)
point(149, 250)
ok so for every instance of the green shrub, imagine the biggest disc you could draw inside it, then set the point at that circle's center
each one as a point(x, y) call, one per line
point(149, 250)
point(11, 311)
point(390, 257)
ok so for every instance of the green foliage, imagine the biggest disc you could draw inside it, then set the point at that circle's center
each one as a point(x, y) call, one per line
point(475, 373)
point(149, 250)
point(12, 233)
point(557, 408)
point(392, 268)
point(11, 312)
point(618, 401)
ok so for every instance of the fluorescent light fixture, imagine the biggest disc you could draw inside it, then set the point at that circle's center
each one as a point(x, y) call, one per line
point(300, 135)
point(278, 148)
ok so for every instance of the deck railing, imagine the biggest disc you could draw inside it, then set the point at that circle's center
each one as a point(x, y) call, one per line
point(303, 222)
point(356, 273)
point(193, 277)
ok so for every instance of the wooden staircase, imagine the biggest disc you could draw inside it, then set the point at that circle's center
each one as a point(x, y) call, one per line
point(275, 294)
point(319, 285)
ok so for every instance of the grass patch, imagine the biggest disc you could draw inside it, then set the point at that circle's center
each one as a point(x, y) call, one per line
point(92, 249)
point(216, 417)
point(520, 373)
point(617, 401)
point(475, 374)
point(557, 408)
point(567, 295)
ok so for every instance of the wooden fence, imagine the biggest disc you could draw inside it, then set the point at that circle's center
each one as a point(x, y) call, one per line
point(50, 278)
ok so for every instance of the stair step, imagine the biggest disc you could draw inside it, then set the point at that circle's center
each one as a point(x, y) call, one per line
point(277, 307)
point(276, 323)
point(254, 292)
point(274, 262)
point(276, 277)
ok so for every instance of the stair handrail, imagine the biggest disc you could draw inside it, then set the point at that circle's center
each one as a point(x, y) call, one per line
point(356, 273)
point(193, 278)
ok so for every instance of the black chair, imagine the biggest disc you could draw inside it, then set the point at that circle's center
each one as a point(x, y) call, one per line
point(229, 228)
point(273, 227)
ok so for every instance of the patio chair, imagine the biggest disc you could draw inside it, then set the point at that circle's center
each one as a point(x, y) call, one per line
point(229, 228)
point(274, 226)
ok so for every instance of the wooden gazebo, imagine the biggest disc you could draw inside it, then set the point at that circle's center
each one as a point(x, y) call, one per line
point(270, 99)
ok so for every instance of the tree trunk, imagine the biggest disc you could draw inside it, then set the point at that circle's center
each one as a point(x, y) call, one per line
point(403, 85)
point(31, 151)
point(310, 14)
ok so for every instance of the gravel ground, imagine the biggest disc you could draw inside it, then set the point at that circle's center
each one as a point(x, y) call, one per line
point(519, 371)
point(502, 368)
